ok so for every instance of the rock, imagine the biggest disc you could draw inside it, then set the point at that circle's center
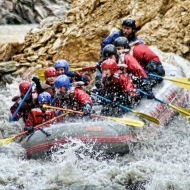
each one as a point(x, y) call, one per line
point(48, 21)
point(10, 49)
point(6, 67)
point(77, 37)
point(27, 11)
point(20, 71)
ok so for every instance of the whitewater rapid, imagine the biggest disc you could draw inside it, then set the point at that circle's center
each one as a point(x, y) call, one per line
point(157, 162)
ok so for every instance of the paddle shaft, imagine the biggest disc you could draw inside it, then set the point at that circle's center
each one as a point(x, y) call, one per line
point(181, 82)
point(74, 111)
point(182, 111)
point(107, 100)
point(146, 94)
point(166, 78)
point(83, 69)
point(37, 126)
point(143, 115)
point(121, 120)
point(25, 96)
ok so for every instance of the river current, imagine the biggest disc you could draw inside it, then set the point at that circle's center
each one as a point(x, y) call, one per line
point(157, 162)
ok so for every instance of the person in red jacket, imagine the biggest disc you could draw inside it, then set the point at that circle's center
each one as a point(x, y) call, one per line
point(118, 87)
point(40, 114)
point(50, 75)
point(72, 96)
point(134, 69)
point(28, 104)
point(149, 61)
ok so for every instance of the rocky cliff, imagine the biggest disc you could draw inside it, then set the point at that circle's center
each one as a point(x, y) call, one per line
point(77, 37)
point(31, 11)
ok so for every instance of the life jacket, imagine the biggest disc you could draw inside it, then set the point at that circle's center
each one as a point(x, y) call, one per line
point(40, 117)
point(68, 100)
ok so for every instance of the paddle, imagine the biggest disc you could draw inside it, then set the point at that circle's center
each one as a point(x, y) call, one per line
point(185, 112)
point(8, 140)
point(41, 71)
point(181, 82)
point(25, 96)
point(121, 120)
point(145, 116)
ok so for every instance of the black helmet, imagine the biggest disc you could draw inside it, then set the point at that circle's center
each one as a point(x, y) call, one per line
point(129, 22)
point(109, 50)
point(121, 41)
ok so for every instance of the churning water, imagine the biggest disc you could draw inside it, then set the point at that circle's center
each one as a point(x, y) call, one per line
point(157, 162)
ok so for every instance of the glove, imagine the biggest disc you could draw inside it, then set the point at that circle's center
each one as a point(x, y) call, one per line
point(30, 129)
point(145, 84)
point(36, 79)
point(98, 81)
point(150, 95)
point(16, 99)
point(117, 103)
point(111, 96)
point(87, 109)
point(84, 79)
point(132, 101)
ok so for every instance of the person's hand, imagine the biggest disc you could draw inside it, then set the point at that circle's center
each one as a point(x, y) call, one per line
point(150, 95)
point(35, 79)
point(87, 109)
point(30, 129)
point(16, 99)
point(84, 79)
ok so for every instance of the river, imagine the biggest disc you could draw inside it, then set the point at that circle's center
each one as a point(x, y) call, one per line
point(158, 162)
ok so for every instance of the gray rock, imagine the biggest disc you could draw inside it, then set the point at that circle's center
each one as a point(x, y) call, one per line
point(6, 67)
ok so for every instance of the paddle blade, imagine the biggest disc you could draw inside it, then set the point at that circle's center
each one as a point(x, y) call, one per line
point(7, 141)
point(127, 121)
point(185, 112)
point(181, 82)
point(147, 117)
point(41, 74)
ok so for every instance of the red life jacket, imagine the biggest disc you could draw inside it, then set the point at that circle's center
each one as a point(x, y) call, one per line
point(40, 117)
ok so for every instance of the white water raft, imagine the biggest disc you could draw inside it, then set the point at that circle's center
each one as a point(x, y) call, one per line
point(111, 137)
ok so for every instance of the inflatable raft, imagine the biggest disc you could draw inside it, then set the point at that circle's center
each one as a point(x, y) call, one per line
point(110, 136)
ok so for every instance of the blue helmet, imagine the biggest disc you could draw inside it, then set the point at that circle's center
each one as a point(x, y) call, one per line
point(44, 97)
point(62, 80)
point(62, 63)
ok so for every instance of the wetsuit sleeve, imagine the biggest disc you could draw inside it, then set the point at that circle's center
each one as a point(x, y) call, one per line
point(134, 67)
point(13, 110)
point(127, 85)
point(82, 97)
point(140, 40)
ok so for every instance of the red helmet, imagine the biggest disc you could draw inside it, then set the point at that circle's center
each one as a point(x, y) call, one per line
point(24, 86)
point(110, 64)
point(49, 72)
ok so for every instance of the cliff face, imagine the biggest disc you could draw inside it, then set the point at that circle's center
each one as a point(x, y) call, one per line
point(30, 11)
point(77, 38)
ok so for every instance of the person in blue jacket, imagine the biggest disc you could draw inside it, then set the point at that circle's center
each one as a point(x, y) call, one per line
point(62, 67)
point(128, 30)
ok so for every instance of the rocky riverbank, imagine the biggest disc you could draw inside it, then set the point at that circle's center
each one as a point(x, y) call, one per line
point(77, 37)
